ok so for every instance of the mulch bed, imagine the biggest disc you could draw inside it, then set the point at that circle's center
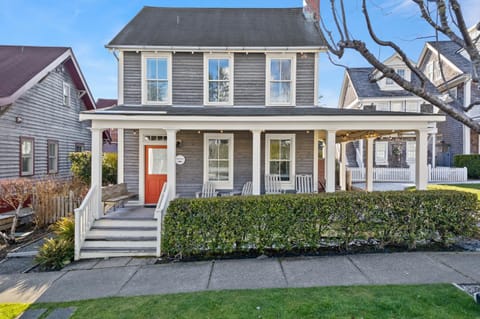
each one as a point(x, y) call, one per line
point(35, 235)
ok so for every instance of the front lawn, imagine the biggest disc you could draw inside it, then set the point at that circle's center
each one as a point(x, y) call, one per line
point(414, 301)
point(469, 188)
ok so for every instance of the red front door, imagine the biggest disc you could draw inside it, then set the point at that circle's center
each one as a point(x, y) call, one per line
point(155, 171)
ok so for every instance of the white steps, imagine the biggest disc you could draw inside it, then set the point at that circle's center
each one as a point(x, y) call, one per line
point(116, 237)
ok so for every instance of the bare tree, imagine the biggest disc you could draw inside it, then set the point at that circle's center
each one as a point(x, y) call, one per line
point(16, 193)
point(444, 16)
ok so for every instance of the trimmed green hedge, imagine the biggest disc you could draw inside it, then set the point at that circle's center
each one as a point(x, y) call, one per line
point(470, 161)
point(228, 225)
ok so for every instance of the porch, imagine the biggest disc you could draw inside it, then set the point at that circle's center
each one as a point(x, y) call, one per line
point(184, 147)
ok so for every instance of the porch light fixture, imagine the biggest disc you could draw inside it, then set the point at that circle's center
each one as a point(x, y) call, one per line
point(308, 132)
point(199, 132)
point(371, 134)
point(18, 119)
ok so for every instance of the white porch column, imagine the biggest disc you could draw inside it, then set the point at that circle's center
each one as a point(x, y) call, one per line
point(171, 165)
point(315, 161)
point(434, 150)
point(343, 166)
point(120, 154)
point(421, 169)
point(96, 173)
point(256, 163)
point(467, 98)
point(369, 165)
point(330, 162)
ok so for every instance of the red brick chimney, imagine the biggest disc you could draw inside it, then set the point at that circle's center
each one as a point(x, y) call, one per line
point(311, 9)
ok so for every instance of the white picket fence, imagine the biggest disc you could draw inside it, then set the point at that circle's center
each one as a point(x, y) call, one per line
point(389, 174)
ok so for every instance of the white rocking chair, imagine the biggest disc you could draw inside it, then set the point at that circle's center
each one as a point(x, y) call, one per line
point(208, 191)
point(304, 184)
point(273, 185)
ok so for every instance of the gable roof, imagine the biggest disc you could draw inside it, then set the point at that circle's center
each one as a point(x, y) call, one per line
point(364, 88)
point(21, 67)
point(104, 103)
point(219, 27)
point(450, 51)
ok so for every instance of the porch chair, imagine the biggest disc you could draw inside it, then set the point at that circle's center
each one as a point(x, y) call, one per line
point(303, 184)
point(208, 190)
point(246, 190)
point(272, 184)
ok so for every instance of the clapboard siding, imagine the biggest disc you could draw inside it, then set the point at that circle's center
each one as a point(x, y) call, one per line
point(131, 160)
point(190, 174)
point(248, 83)
point(44, 118)
point(249, 79)
point(132, 74)
point(305, 90)
point(187, 78)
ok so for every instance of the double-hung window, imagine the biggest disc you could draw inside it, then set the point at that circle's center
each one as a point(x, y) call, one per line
point(156, 78)
point(280, 157)
point(26, 156)
point(52, 150)
point(218, 160)
point(281, 70)
point(218, 79)
point(411, 152)
point(381, 153)
point(66, 94)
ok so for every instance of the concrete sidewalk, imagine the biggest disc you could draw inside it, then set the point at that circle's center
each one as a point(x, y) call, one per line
point(131, 277)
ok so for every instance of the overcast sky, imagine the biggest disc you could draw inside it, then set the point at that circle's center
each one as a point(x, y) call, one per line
point(87, 25)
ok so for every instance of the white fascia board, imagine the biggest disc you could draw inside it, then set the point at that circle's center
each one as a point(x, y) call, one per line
point(434, 51)
point(305, 49)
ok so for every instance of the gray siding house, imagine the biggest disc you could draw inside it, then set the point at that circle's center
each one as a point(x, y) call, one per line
point(224, 97)
point(42, 92)
point(360, 90)
point(447, 58)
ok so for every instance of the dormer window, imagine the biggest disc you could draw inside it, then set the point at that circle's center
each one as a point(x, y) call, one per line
point(156, 78)
point(400, 72)
point(281, 70)
point(218, 79)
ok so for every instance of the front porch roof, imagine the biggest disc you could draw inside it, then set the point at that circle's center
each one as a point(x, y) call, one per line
point(261, 118)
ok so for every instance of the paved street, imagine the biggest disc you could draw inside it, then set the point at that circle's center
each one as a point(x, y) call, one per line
point(139, 276)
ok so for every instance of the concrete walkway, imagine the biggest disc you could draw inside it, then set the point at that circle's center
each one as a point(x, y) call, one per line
point(138, 276)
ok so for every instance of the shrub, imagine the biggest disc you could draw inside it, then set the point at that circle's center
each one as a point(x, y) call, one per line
point(306, 222)
point(470, 161)
point(58, 251)
point(55, 197)
point(81, 167)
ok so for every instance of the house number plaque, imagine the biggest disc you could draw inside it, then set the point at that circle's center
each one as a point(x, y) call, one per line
point(180, 159)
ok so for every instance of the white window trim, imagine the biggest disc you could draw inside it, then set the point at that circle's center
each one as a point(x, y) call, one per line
point(68, 96)
point(410, 160)
point(293, 58)
point(168, 56)
point(219, 184)
point(206, 57)
point(381, 161)
point(268, 137)
point(50, 170)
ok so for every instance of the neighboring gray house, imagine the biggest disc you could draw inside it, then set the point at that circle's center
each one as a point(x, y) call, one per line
point(42, 92)
point(361, 90)
point(455, 83)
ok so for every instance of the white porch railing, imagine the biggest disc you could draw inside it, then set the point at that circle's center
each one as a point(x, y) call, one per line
point(160, 210)
point(84, 218)
point(390, 174)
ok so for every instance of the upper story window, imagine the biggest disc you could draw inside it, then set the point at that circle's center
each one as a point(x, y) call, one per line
point(400, 72)
point(218, 81)
point(156, 78)
point(412, 106)
point(66, 94)
point(281, 70)
point(218, 164)
point(433, 71)
point(26, 156)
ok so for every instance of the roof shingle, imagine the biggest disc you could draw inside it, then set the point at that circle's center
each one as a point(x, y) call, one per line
point(220, 27)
